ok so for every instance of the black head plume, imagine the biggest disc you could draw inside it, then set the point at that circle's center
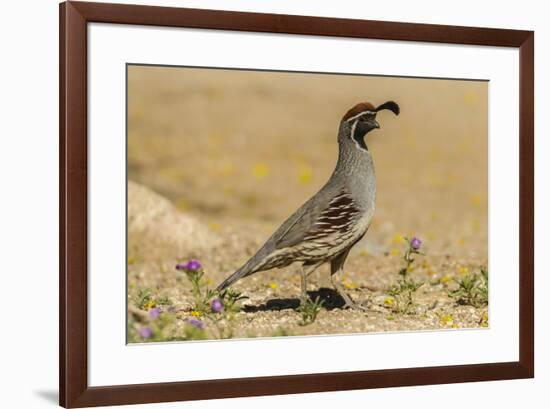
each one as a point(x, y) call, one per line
point(392, 106)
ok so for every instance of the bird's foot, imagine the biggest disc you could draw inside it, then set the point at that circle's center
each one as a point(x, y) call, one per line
point(352, 305)
point(348, 301)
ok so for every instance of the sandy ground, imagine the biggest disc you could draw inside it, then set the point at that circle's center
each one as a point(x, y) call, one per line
point(235, 153)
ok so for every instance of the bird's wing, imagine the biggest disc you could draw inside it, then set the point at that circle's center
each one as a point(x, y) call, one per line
point(323, 215)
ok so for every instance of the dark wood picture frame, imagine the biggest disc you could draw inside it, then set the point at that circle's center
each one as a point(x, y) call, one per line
point(73, 230)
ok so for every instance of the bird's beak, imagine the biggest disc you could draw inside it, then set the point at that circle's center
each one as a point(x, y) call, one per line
point(375, 124)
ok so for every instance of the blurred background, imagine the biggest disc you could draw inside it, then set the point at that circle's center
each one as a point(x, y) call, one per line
point(244, 148)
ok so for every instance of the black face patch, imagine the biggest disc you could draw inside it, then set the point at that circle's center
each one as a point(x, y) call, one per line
point(363, 125)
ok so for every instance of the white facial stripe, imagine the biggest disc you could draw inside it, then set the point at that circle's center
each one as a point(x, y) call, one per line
point(359, 114)
point(353, 133)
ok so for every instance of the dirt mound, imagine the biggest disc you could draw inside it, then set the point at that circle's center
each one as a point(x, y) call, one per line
point(157, 229)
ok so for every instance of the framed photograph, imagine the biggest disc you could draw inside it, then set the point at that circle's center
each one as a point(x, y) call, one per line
point(256, 204)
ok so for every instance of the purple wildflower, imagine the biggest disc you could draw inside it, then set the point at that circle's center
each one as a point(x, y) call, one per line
point(154, 312)
point(145, 332)
point(196, 323)
point(193, 265)
point(217, 305)
point(416, 243)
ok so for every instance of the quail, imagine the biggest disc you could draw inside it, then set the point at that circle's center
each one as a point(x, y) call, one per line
point(330, 223)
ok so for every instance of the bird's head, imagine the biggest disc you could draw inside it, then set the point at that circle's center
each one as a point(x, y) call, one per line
point(361, 119)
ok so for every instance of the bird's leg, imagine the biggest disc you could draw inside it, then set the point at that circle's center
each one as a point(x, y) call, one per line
point(305, 270)
point(340, 289)
point(303, 297)
point(336, 267)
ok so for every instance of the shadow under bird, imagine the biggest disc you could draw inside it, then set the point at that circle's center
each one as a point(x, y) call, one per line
point(329, 224)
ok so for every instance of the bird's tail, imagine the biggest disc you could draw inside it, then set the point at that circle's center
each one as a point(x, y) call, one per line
point(247, 269)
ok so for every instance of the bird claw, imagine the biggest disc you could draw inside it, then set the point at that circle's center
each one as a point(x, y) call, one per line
point(355, 306)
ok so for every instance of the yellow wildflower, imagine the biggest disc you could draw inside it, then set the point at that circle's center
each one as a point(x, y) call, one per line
point(260, 170)
point(305, 175)
point(463, 270)
point(476, 200)
point(389, 301)
point(273, 285)
point(398, 239)
point(485, 320)
point(445, 279)
point(431, 273)
point(196, 314)
point(350, 285)
point(364, 253)
point(131, 260)
point(150, 304)
point(214, 226)
point(447, 320)
point(395, 252)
